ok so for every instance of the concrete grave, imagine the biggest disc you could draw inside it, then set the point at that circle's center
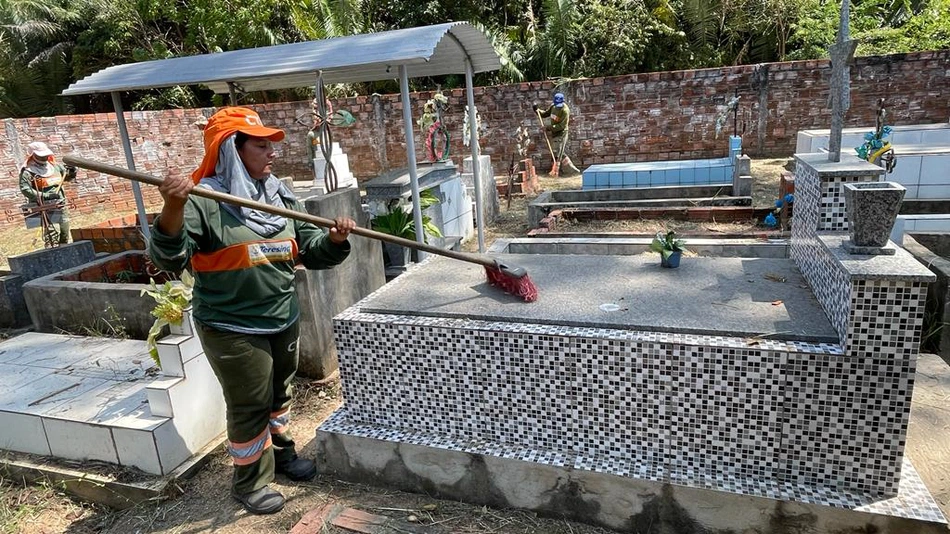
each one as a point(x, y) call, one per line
point(99, 295)
point(26, 267)
point(323, 294)
point(752, 384)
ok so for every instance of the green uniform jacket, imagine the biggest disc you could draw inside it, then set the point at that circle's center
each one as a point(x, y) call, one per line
point(243, 282)
point(49, 187)
point(560, 118)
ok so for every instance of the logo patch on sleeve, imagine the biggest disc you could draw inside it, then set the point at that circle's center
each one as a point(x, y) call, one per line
point(270, 252)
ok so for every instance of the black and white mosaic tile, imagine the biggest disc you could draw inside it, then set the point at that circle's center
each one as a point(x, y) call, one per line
point(912, 499)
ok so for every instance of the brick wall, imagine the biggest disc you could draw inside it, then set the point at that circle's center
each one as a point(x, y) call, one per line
point(638, 117)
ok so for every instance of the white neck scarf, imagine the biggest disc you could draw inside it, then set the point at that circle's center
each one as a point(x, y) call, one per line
point(230, 176)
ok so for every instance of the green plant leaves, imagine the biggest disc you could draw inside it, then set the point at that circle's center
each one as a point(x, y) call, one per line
point(171, 301)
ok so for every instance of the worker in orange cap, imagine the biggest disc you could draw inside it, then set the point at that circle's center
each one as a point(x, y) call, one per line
point(244, 302)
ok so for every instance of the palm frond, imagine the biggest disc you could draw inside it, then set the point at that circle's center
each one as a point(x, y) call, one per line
point(558, 44)
point(701, 17)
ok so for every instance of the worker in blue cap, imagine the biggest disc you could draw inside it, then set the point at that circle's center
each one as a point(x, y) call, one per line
point(560, 115)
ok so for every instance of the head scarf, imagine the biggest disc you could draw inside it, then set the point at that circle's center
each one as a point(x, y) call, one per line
point(231, 177)
point(225, 123)
point(222, 170)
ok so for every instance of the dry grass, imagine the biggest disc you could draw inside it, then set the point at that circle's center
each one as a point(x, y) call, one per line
point(36, 509)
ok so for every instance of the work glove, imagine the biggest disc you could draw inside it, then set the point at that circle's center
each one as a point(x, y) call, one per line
point(534, 107)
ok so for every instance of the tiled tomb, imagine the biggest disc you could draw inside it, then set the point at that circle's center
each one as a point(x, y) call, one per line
point(664, 173)
point(89, 398)
point(713, 375)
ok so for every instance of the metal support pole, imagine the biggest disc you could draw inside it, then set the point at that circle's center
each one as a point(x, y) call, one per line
point(476, 170)
point(233, 93)
point(411, 156)
point(130, 162)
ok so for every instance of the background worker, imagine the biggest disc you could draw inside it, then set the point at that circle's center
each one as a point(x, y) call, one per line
point(41, 182)
point(560, 114)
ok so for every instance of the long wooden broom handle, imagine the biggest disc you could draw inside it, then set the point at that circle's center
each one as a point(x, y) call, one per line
point(537, 113)
point(276, 210)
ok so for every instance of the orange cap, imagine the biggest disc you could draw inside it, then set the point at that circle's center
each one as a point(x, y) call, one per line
point(224, 123)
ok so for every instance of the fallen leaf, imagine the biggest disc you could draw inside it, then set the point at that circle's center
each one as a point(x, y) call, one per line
point(774, 277)
point(776, 302)
point(430, 507)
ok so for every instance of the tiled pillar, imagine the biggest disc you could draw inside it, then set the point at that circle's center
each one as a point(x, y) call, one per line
point(847, 413)
point(819, 207)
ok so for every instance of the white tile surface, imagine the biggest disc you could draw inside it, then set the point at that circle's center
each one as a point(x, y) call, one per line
point(906, 138)
point(39, 396)
point(936, 137)
point(934, 170)
point(106, 404)
point(907, 172)
point(14, 376)
point(933, 225)
point(933, 191)
point(34, 349)
point(172, 447)
point(187, 326)
point(174, 351)
point(23, 433)
point(200, 389)
point(159, 397)
point(137, 448)
point(80, 441)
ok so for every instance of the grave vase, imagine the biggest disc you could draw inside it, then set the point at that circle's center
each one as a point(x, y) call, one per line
point(871, 209)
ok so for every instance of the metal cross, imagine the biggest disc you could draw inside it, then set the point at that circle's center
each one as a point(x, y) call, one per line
point(839, 99)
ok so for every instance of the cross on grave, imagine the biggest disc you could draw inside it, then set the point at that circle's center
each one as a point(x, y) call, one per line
point(839, 99)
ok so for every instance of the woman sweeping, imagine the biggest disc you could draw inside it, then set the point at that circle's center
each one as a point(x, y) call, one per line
point(244, 301)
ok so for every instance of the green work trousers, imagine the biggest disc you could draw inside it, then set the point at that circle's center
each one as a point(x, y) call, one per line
point(560, 142)
point(64, 225)
point(255, 372)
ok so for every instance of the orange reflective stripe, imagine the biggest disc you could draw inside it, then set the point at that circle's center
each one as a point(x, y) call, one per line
point(245, 255)
point(250, 451)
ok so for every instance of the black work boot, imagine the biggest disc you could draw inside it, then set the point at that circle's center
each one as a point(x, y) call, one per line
point(262, 501)
point(296, 468)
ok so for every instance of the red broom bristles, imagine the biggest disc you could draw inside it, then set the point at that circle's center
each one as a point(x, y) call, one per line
point(520, 286)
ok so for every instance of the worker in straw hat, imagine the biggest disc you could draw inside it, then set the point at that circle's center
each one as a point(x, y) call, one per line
point(41, 182)
point(244, 302)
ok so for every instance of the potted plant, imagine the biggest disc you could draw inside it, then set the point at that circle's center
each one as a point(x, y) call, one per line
point(398, 221)
point(669, 247)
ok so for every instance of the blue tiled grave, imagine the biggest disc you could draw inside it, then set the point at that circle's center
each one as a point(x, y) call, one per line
point(664, 173)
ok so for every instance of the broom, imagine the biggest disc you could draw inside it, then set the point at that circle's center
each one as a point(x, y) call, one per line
point(509, 278)
point(554, 166)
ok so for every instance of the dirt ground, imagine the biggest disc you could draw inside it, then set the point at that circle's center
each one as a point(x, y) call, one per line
point(205, 504)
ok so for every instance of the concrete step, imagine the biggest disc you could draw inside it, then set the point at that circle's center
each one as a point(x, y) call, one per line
point(659, 202)
point(641, 193)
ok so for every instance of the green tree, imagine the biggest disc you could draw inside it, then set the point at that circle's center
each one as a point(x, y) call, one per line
point(36, 40)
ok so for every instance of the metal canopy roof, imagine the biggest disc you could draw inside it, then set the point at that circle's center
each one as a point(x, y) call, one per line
point(427, 51)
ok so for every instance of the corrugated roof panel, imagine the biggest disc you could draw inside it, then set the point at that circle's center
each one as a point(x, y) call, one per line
point(428, 50)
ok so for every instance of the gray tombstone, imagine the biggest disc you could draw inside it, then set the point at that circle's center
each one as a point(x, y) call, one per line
point(323, 294)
